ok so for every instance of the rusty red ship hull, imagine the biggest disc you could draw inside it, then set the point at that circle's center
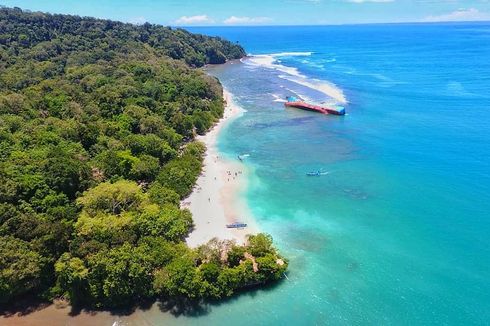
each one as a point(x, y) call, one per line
point(315, 108)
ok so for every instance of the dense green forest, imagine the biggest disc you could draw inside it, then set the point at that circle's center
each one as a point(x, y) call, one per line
point(97, 121)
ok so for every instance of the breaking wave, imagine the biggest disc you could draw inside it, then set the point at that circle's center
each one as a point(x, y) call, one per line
point(271, 61)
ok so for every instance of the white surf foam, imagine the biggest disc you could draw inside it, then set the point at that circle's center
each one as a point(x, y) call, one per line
point(326, 88)
point(278, 98)
point(270, 61)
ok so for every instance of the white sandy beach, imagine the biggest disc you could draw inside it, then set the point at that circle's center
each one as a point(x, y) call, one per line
point(215, 200)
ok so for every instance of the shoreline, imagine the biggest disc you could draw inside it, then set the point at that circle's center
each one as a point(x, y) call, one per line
point(215, 200)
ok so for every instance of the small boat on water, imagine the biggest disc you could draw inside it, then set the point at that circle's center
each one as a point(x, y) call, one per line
point(241, 157)
point(313, 173)
point(316, 173)
point(299, 104)
point(236, 225)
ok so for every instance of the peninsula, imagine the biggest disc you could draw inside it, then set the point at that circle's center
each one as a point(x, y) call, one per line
point(98, 126)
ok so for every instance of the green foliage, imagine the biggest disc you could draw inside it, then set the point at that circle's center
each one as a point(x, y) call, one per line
point(169, 222)
point(120, 276)
point(64, 171)
point(181, 173)
point(97, 121)
point(235, 255)
point(210, 271)
point(72, 277)
point(145, 168)
point(179, 278)
point(217, 269)
point(21, 268)
point(162, 195)
point(260, 244)
point(195, 149)
point(150, 144)
point(112, 198)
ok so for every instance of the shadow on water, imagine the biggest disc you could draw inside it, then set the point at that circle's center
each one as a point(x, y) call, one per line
point(197, 308)
point(23, 306)
point(184, 307)
point(28, 305)
point(124, 311)
point(176, 307)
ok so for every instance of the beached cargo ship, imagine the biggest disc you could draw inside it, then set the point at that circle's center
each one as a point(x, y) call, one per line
point(296, 103)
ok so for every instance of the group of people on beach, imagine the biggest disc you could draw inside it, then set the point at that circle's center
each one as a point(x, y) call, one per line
point(230, 174)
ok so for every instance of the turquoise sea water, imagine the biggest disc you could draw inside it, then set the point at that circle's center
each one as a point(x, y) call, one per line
point(397, 233)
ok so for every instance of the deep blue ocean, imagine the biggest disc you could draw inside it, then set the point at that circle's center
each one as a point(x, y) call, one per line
point(398, 231)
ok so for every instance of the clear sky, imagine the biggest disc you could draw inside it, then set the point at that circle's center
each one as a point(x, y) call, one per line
point(265, 12)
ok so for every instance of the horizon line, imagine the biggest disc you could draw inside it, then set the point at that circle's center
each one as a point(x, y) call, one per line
point(339, 24)
point(262, 25)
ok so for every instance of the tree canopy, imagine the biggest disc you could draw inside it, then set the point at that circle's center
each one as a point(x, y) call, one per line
point(97, 127)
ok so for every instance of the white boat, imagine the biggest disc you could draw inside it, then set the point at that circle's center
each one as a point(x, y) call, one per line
point(236, 225)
